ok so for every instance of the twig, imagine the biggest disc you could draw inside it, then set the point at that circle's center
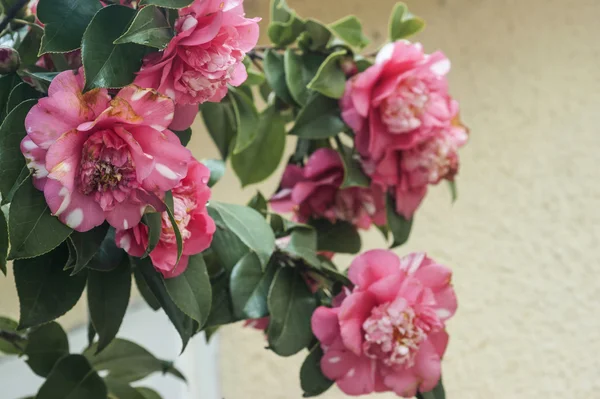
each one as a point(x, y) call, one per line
point(12, 13)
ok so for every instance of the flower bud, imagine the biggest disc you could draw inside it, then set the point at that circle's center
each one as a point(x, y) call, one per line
point(9, 60)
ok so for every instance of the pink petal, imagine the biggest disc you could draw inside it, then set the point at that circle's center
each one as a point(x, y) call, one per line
point(181, 266)
point(35, 157)
point(386, 289)
point(184, 116)
point(205, 31)
point(74, 209)
point(362, 88)
point(371, 266)
point(355, 309)
point(439, 340)
point(64, 156)
point(126, 239)
point(408, 202)
point(428, 366)
point(144, 162)
point(322, 160)
point(360, 378)
point(239, 75)
point(202, 228)
point(325, 326)
point(125, 214)
point(446, 303)
point(403, 382)
point(156, 109)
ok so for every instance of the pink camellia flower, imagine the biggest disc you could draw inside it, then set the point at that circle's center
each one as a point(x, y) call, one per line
point(388, 333)
point(190, 197)
point(313, 191)
point(99, 159)
point(394, 107)
point(203, 58)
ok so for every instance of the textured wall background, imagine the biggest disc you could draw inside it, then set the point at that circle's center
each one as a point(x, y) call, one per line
point(523, 237)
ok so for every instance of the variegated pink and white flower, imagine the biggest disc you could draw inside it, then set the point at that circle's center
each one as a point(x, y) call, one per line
point(98, 158)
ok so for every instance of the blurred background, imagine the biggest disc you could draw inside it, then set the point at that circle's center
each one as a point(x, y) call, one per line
point(523, 236)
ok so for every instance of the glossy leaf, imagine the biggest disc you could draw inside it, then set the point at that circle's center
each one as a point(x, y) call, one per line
point(353, 172)
point(121, 390)
point(300, 70)
point(45, 346)
point(168, 3)
point(303, 245)
point(65, 22)
point(338, 237)
point(191, 290)
point(291, 305)
point(349, 29)
point(148, 393)
point(107, 64)
point(149, 28)
point(109, 256)
point(153, 221)
point(220, 122)
point(171, 212)
point(312, 380)
point(403, 23)
point(7, 83)
point(261, 158)
point(319, 119)
point(3, 242)
point(222, 308)
point(87, 245)
point(17, 342)
point(399, 226)
point(285, 26)
point(217, 170)
point(25, 173)
point(19, 93)
point(108, 297)
point(226, 244)
point(259, 203)
point(246, 117)
point(73, 378)
point(12, 131)
point(144, 290)
point(275, 75)
point(184, 136)
point(318, 33)
point(45, 290)
point(250, 287)
point(330, 80)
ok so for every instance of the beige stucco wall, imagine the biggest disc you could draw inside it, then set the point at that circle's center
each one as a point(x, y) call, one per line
point(523, 237)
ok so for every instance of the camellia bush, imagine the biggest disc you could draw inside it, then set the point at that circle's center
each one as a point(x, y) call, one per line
point(100, 192)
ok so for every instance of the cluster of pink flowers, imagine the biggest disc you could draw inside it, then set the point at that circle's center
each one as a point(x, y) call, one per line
point(99, 158)
point(407, 126)
point(203, 58)
point(314, 191)
point(388, 332)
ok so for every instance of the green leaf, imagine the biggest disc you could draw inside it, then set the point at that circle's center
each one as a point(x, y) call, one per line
point(403, 23)
point(168, 3)
point(46, 345)
point(153, 221)
point(182, 323)
point(349, 29)
point(149, 28)
point(13, 346)
point(362, 63)
point(30, 46)
point(25, 173)
point(12, 131)
point(217, 170)
point(145, 290)
point(7, 83)
point(73, 378)
point(222, 308)
point(45, 291)
point(184, 136)
point(453, 190)
point(259, 204)
point(220, 121)
point(191, 290)
point(3, 242)
point(303, 245)
point(312, 380)
point(246, 117)
point(285, 26)
point(300, 69)
point(108, 297)
point(249, 287)
point(319, 119)
point(261, 158)
point(353, 173)
point(19, 93)
point(291, 305)
point(171, 213)
point(124, 360)
point(148, 393)
point(121, 390)
point(107, 64)
point(32, 229)
point(109, 256)
point(437, 393)
point(399, 226)
point(226, 245)
point(87, 245)
point(319, 34)
point(65, 22)
point(254, 78)
point(249, 226)
point(330, 80)
point(338, 237)
point(275, 75)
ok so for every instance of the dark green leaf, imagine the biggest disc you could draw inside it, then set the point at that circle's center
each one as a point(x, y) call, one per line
point(319, 119)
point(7, 83)
point(30, 46)
point(399, 226)
point(182, 323)
point(73, 378)
point(150, 28)
point(191, 290)
point(65, 22)
point(300, 69)
point(210, 332)
point(221, 311)
point(87, 245)
point(17, 342)
point(338, 237)
point(261, 158)
point(171, 212)
point(303, 245)
point(46, 345)
point(453, 190)
point(312, 380)
point(3, 242)
point(275, 75)
point(148, 393)
point(259, 203)
point(121, 390)
point(45, 290)
point(21, 92)
point(109, 256)
point(362, 64)
point(291, 305)
point(217, 170)
point(107, 64)
point(353, 173)
point(108, 297)
point(246, 117)
point(285, 26)
point(254, 78)
point(249, 226)
point(91, 333)
point(184, 136)
point(328, 268)
point(437, 393)
point(250, 287)
point(12, 131)
point(145, 290)
point(319, 34)
point(403, 23)
point(349, 29)
point(25, 172)
point(219, 119)
point(226, 245)
point(168, 3)
point(153, 221)
point(330, 80)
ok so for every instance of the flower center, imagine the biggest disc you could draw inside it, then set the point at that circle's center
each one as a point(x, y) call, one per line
point(402, 110)
point(183, 207)
point(107, 170)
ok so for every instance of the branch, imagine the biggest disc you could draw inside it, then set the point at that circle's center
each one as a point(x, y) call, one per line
point(13, 338)
point(12, 13)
